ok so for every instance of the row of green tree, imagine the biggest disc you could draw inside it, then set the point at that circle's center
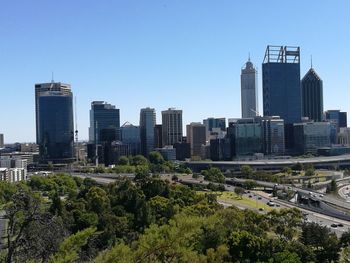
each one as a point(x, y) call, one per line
point(155, 164)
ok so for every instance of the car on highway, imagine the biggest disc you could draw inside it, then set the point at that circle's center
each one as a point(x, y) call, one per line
point(340, 225)
point(334, 225)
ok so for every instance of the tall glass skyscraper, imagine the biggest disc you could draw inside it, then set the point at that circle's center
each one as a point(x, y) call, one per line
point(281, 83)
point(312, 96)
point(249, 90)
point(41, 88)
point(55, 126)
point(147, 123)
point(103, 116)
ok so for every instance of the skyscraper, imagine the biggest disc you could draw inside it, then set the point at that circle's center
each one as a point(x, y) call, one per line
point(312, 96)
point(158, 140)
point(196, 137)
point(147, 124)
point(1, 140)
point(281, 83)
point(171, 126)
point(249, 90)
point(103, 116)
point(55, 126)
point(41, 88)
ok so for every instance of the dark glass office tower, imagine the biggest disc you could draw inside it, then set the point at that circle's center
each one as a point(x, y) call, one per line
point(312, 96)
point(103, 116)
point(55, 127)
point(147, 124)
point(42, 88)
point(281, 83)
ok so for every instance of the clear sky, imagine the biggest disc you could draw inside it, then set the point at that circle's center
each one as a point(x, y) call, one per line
point(160, 53)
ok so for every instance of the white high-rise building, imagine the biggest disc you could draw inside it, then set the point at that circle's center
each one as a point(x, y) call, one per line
point(249, 90)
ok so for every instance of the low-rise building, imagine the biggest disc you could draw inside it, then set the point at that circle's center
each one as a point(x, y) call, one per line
point(310, 136)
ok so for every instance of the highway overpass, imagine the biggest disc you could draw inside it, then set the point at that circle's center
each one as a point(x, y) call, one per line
point(342, 161)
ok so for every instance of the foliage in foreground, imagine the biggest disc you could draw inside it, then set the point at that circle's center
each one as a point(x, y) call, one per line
point(151, 220)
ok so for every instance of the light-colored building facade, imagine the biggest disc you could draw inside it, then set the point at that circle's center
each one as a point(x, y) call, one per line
point(29, 147)
point(171, 126)
point(249, 90)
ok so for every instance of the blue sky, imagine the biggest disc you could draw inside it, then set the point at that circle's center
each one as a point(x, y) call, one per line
point(160, 53)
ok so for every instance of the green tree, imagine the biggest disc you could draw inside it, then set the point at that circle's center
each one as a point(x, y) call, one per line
point(246, 171)
point(249, 184)
point(69, 249)
point(123, 160)
point(156, 158)
point(214, 174)
point(97, 200)
point(324, 243)
point(239, 191)
point(285, 222)
point(139, 160)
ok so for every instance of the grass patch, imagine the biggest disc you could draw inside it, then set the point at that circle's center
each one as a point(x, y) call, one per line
point(232, 198)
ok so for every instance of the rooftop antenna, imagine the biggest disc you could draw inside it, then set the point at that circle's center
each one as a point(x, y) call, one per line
point(249, 56)
point(52, 81)
point(311, 61)
point(76, 129)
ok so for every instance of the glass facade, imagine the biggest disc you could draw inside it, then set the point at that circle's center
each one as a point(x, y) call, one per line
point(281, 83)
point(273, 134)
point(147, 124)
point(130, 135)
point(311, 136)
point(103, 116)
point(312, 96)
point(56, 128)
point(247, 137)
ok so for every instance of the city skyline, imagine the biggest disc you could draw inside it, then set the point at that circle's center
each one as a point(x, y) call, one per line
point(195, 50)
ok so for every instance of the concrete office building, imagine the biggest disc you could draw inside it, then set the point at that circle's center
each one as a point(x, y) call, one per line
point(310, 136)
point(273, 135)
point(147, 124)
point(55, 126)
point(196, 137)
point(103, 116)
point(344, 137)
point(130, 135)
point(1, 140)
point(171, 126)
point(312, 96)
point(64, 89)
point(249, 90)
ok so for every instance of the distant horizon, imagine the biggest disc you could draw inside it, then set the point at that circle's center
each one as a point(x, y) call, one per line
point(160, 54)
